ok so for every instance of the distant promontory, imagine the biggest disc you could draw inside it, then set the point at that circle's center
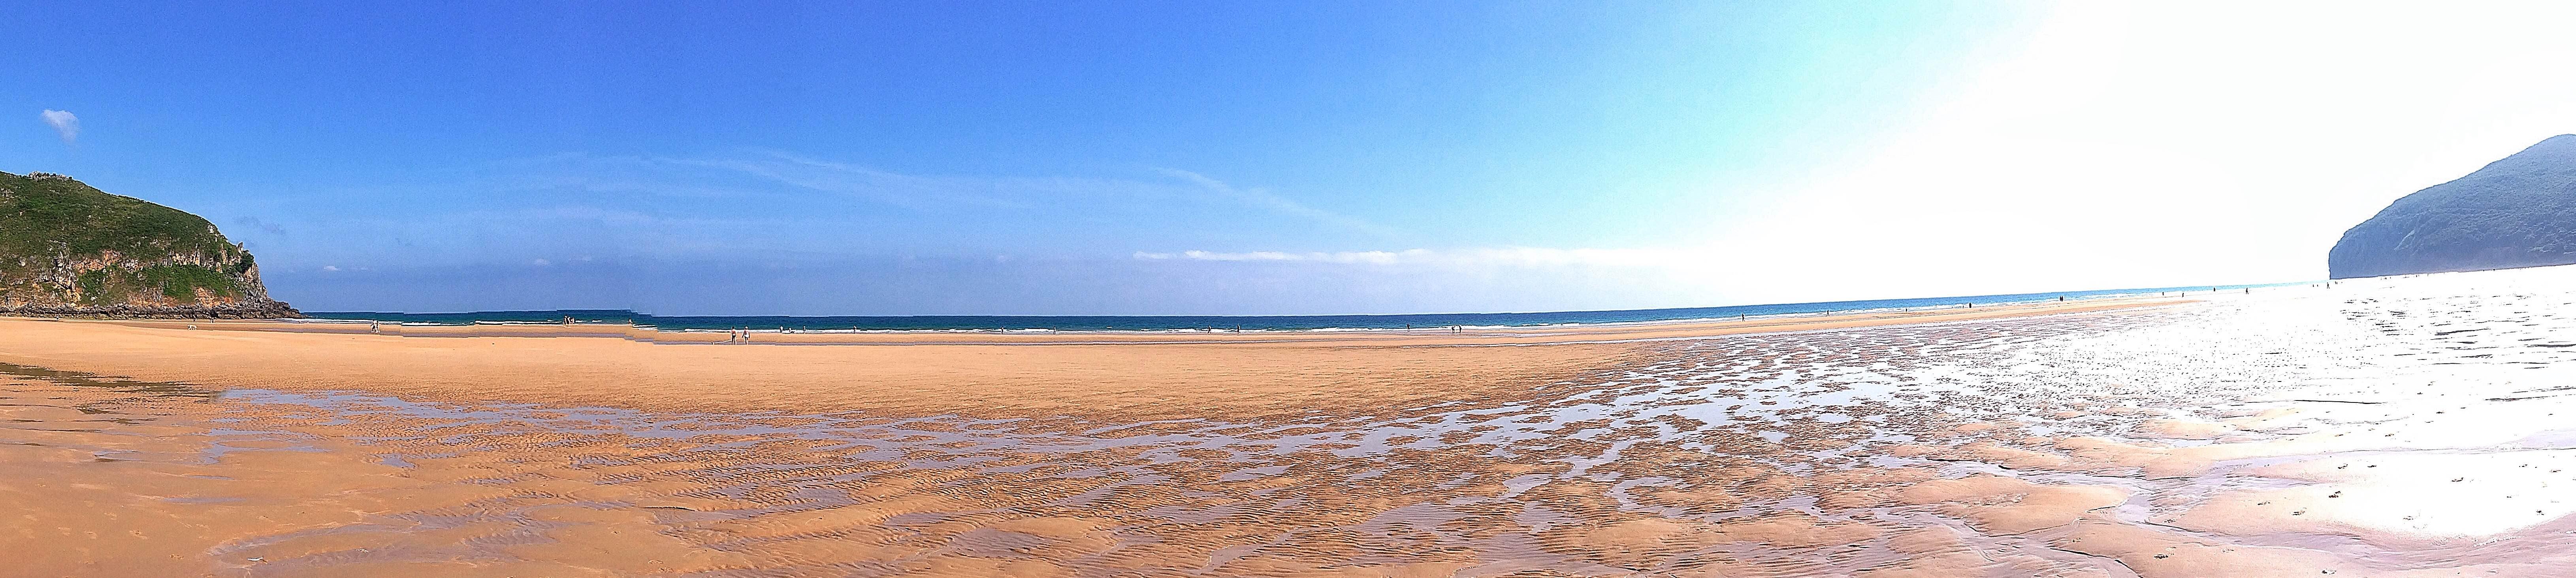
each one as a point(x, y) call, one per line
point(70, 250)
point(2516, 212)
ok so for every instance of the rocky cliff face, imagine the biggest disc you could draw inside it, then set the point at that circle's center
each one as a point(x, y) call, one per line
point(67, 249)
point(2515, 212)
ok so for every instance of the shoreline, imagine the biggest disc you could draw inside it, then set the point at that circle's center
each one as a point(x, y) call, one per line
point(1137, 377)
point(1608, 332)
point(1199, 323)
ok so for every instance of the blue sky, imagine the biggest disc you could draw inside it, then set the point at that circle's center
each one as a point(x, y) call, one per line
point(1224, 158)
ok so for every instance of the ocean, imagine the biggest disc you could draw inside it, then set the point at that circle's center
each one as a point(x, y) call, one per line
point(1227, 322)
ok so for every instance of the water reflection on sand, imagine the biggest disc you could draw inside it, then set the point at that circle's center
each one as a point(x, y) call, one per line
point(2405, 427)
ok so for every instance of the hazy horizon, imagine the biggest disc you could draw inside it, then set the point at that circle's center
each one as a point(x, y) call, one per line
point(2022, 297)
point(1279, 159)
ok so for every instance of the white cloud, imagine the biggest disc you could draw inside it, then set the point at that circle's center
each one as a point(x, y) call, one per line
point(1464, 279)
point(330, 267)
point(64, 123)
point(541, 262)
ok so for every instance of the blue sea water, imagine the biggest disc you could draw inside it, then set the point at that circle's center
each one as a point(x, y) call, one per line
point(1229, 322)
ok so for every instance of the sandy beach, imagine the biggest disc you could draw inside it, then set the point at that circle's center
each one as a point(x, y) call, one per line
point(2386, 427)
point(1135, 376)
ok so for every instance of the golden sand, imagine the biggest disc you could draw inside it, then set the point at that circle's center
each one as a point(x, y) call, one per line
point(1980, 442)
point(1108, 375)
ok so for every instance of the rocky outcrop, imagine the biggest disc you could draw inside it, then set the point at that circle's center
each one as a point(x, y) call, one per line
point(69, 250)
point(2516, 212)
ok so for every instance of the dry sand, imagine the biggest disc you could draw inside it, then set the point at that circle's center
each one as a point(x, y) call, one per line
point(2288, 433)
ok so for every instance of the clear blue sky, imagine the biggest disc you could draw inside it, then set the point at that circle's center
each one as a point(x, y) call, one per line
point(1036, 158)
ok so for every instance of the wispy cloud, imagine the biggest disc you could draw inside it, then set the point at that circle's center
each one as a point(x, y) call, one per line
point(1370, 257)
point(64, 123)
point(1503, 256)
point(929, 191)
point(1263, 198)
point(256, 223)
point(771, 173)
point(909, 191)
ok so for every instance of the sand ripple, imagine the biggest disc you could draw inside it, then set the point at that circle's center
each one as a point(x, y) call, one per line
point(2401, 429)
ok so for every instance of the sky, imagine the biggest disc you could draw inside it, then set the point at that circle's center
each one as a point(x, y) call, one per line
point(1269, 157)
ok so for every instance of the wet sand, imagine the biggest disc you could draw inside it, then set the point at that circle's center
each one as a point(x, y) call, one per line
point(2403, 427)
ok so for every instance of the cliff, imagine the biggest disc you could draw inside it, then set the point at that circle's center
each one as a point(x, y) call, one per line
point(67, 249)
point(2516, 212)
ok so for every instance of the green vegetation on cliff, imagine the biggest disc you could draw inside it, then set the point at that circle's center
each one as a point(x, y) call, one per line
point(66, 247)
point(2519, 211)
point(172, 282)
point(45, 214)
